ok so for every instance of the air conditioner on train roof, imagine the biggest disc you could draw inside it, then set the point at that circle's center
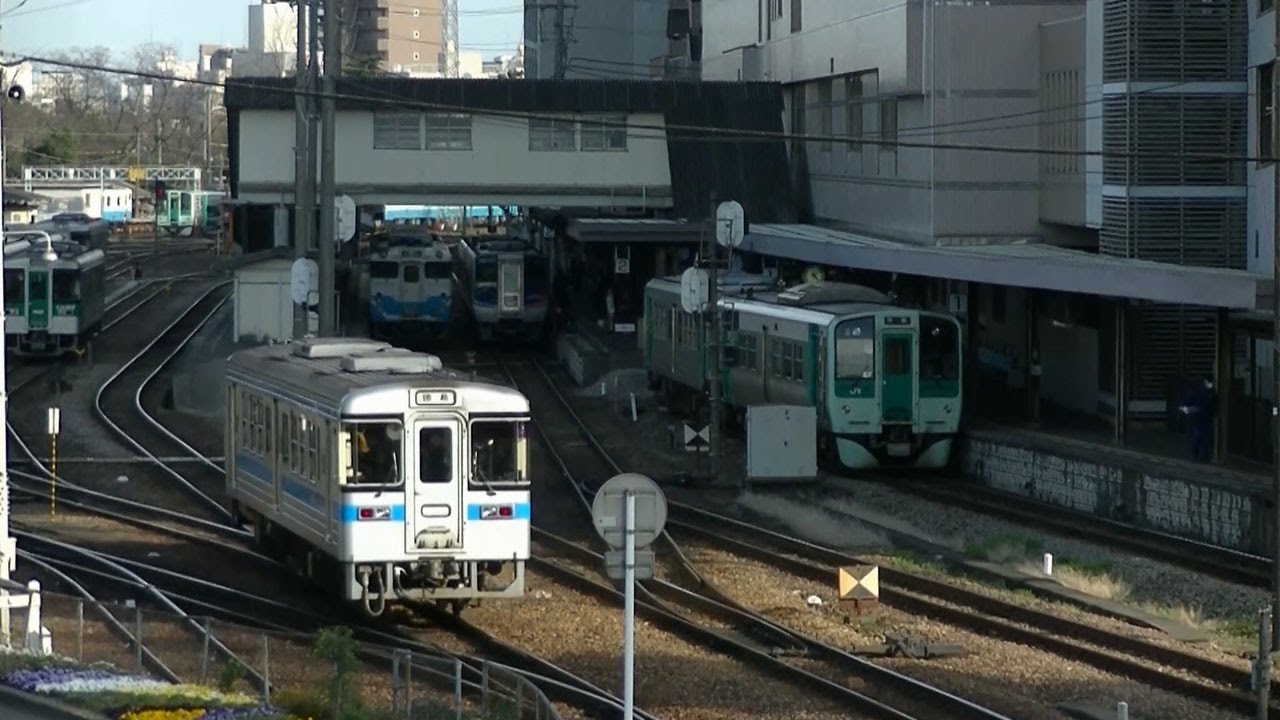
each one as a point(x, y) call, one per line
point(318, 348)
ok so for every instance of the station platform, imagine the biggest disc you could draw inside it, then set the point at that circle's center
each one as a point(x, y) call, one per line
point(1150, 483)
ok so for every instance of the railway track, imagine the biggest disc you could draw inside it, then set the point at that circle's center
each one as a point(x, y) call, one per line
point(709, 616)
point(1224, 563)
point(118, 403)
point(1154, 665)
point(230, 585)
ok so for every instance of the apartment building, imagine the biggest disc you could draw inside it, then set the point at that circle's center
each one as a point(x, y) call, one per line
point(612, 39)
point(406, 36)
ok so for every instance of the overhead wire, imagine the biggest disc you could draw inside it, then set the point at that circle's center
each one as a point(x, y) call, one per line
point(678, 130)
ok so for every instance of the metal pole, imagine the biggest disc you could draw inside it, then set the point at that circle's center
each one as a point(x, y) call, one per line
point(1262, 670)
point(8, 546)
point(1275, 310)
point(629, 612)
point(328, 168)
point(562, 45)
point(301, 154)
point(714, 343)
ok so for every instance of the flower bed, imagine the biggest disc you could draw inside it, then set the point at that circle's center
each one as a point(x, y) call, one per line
point(122, 696)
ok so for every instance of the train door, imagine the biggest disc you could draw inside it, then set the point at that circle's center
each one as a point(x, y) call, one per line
point(897, 380)
point(511, 287)
point(38, 299)
point(433, 487)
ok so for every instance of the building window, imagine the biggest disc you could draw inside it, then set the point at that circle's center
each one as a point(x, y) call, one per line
point(554, 134)
point(606, 132)
point(777, 8)
point(1266, 6)
point(1266, 112)
point(889, 123)
point(824, 113)
point(448, 131)
point(795, 15)
point(397, 131)
point(858, 88)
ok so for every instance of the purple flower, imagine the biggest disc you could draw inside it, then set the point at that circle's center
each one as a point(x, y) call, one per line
point(29, 680)
point(254, 713)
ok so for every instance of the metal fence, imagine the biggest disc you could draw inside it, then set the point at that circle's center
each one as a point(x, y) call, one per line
point(289, 670)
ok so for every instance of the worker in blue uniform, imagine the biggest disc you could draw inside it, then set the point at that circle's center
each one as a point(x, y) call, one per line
point(1199, 405)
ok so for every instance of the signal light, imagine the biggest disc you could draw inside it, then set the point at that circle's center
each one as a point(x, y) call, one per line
point(505, 511)
point(366, 513)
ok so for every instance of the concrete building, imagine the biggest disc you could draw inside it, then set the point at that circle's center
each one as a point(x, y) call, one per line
point(406, 36)
point(617, 39)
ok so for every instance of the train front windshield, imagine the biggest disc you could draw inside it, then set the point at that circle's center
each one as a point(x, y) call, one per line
point(499, 453)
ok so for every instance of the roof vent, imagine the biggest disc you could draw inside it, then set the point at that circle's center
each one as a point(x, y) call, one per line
point(830, 292)
point(317, 348)
point(410, 363)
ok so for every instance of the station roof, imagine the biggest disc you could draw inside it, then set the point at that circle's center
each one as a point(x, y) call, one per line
point(633, 230)
point(1026, 265)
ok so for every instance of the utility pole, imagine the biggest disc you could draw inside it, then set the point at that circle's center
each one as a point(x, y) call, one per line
point(562, 42)
point(1275, 309)
point(328, 168)
point(8, 546)
point(313, 119)
point(302, 160)
point(714, 342)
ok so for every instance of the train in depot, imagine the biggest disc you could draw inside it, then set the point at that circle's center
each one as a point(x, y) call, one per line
point(410, 286)
point(505, 283)
point(55, 295)
point(381, 475)
point(885, 380)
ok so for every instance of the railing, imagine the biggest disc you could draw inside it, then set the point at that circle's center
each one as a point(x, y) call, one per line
point(410, 684)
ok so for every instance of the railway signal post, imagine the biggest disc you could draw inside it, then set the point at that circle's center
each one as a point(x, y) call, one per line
point(629, 512)
point(55, 428)
point(8, 546)
point(730, 231)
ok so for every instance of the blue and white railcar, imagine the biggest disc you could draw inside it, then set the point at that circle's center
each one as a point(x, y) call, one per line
point(379, 473)
point(505, 283)
point(410, 287)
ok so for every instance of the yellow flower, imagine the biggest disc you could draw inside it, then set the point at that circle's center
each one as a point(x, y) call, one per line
point(164, 715)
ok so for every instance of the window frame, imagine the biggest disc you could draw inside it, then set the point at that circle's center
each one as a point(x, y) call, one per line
point(1265, 95)
point(448, 132)
point(598, 137)
point(399, 138)
point(546, 130)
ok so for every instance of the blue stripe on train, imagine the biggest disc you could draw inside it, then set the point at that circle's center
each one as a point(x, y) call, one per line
point(384, 308)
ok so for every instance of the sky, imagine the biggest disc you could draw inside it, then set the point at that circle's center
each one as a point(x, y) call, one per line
point(35, 27)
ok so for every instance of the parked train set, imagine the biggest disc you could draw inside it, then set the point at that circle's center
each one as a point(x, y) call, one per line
point(504, 284)
point(385, 476)
point(885, 380)
point(54, 295)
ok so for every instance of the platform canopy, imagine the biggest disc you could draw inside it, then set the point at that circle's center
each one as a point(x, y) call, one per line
point(1020, 265)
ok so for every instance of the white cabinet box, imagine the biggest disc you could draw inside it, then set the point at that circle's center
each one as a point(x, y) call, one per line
point(782, 442)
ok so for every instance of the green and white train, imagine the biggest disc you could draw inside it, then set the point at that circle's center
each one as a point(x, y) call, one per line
point(52, 306)
point(885, 380)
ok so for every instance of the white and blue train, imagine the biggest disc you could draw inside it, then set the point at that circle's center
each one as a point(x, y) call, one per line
point(379, 474)
point(505, 283)
point(410, 286)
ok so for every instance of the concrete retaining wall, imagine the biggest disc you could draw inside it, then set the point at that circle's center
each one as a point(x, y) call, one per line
point(1208, 509)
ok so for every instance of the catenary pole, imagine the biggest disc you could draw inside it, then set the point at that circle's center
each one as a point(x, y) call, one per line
point(302, 153)
point(332, 67)
point(8, 546)
point(1275, 309)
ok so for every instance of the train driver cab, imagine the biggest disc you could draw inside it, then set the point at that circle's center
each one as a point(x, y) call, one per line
point(377, 460)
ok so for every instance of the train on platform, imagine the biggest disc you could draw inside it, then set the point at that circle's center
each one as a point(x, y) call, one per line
point(379, 474)
point(93, 233)
point(410, 286)
point(885, 380)
point(505, 284)
point(54, 296)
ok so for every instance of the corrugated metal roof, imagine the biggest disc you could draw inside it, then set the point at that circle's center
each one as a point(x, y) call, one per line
point(744, 169)
point(1023, 265)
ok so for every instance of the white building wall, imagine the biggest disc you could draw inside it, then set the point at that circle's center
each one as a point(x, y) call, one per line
point(931, 69)
point(500, 168)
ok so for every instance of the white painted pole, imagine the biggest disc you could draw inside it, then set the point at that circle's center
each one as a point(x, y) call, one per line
point(1048, 563)
point(634, 417)
point(1122, 711)
point(629, 613)
point(8, 546)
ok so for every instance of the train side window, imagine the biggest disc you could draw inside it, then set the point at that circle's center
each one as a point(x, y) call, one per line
point(435, 455)
point(286, 446)
point(66, 286)
point(15, 290)
point(411, 273)
point(797, 350)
